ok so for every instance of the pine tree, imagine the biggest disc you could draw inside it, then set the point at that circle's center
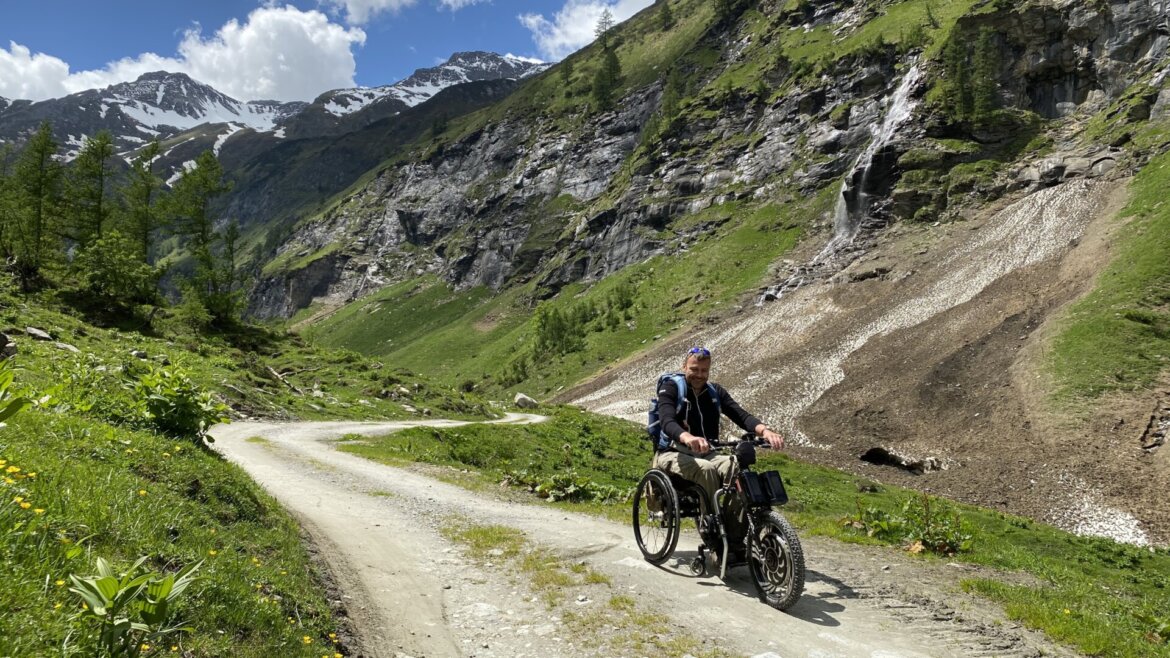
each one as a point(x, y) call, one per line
point(985, 77)
point(957, 91)
point(566, 70)
point(604, 25)
point(143, 199)
point(606, 80)
point(7, 204)
point(665, 16)
point(37, 195)
point(88, 189)
point(722, 10)
point(190, 205)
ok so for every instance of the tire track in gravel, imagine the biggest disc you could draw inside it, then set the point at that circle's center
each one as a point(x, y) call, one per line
point(409, 592)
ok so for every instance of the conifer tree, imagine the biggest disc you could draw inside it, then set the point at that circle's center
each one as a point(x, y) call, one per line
point(985, 76)
point(190, 205)
point(36, 181)
point(665, 16)
point(88, 189)
point(7, 204)
point(957, 91)
point(604, 25)
point(144, 199)
point(606, 80)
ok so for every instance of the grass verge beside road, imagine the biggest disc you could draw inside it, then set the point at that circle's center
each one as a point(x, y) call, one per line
point(1098, 596)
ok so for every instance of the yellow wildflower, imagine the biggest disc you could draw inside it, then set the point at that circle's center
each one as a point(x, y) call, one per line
point(9, 481)
point(213, 552)
point(25, 505)
point(56, 606)
point(18, 499)
point(12, 469)
point(333, 636)
point(307, 640)
point(38, 511)
point(146, 647)
point(59, 583)
point(33, 474)
point(142, 492)
point(174, 649)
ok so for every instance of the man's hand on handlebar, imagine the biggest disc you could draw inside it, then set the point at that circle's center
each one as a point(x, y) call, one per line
point(696, 444)
point(775, 441)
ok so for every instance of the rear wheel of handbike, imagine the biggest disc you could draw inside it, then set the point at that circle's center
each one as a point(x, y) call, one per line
point(776, 561)
point(656, 519)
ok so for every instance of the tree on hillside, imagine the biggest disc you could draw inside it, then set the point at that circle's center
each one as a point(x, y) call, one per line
point(604, 25)
point(190, 209)
point(985, 76)
point(87, 189)
point(608, 76)
point(723, 9)
point(606, 80)
point(957, 88)
point(665, 16)
point(143, 199)
point(36, 193)
point(7, 204)
point(566, 71)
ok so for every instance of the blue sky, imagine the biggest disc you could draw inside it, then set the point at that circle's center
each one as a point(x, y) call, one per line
point(293, 50)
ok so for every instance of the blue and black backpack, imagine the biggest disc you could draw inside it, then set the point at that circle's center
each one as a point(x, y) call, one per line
point(658, 439)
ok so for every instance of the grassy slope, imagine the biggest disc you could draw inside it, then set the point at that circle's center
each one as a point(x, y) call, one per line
point(468, 335)
point(1101, 597)
point(1118, 337)
point(106, 485)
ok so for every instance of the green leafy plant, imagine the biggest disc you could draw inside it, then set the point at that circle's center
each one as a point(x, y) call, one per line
point(133, 609)
point(570, 486)
point(10, 404)
point(175, 405)
point(921, 523)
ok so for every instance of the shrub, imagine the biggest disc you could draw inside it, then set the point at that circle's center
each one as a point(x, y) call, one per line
point(175, 405)
point(922, 523)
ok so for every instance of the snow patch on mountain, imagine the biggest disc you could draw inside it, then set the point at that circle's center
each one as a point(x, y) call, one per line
point(425, 83)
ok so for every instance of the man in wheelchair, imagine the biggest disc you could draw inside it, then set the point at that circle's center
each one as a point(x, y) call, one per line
point(691, 421)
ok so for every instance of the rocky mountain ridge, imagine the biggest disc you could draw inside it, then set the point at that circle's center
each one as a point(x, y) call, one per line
point(470, 213)
point(173, 106)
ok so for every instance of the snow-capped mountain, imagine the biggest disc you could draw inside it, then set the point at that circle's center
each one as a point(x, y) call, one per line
point(425, 83)
point(158, 101)
point(163, 105)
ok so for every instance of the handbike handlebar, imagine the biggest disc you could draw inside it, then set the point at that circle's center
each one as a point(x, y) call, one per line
point(749, 436)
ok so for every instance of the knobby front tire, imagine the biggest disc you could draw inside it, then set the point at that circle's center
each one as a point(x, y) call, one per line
point(656, 519)
point(776, 561)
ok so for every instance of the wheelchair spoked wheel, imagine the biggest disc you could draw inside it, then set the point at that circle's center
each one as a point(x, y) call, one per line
point(776, 561)
point(656, 518)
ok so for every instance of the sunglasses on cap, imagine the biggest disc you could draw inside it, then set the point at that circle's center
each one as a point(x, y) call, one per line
point(699, 351)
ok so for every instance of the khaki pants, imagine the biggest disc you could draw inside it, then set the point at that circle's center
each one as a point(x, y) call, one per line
point(708, 472)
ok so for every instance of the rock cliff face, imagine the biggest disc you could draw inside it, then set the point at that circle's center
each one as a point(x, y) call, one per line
point(521, 198)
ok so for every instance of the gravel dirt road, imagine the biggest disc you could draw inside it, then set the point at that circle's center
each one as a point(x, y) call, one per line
point(409, 591)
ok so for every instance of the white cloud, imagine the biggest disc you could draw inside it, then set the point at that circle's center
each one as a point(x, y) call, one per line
point(279, 53)
point(572, 27)
point(359, 12)
point(25, 75)
point(456, 5)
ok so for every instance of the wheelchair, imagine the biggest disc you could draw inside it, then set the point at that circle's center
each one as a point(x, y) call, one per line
point(738, 523)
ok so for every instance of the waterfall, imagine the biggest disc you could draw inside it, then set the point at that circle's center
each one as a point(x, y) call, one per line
point(853, 202)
